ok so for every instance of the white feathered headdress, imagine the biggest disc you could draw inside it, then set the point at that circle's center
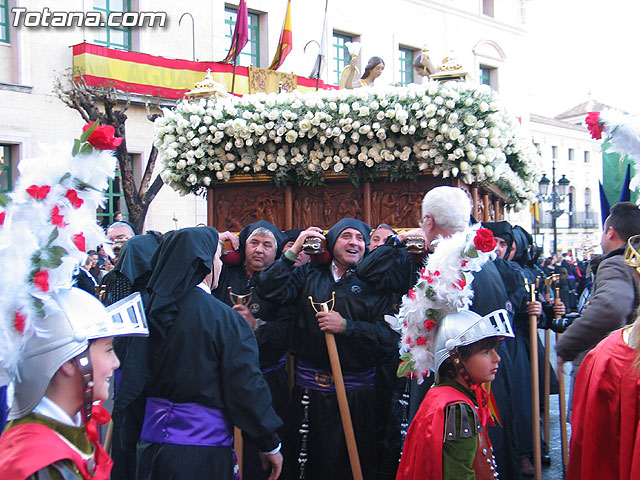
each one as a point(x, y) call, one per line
point(46, 224)
point(444, 287)
point(622, 135)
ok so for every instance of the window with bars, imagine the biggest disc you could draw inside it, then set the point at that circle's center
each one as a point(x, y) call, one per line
point(114, 199)
point(488, 76)
point(113, 37)
point(250, 54)
point(4, 21)
point(586, 157)
point(570, 154)
point(406, 65)
point(340, 57)
point(6, 183)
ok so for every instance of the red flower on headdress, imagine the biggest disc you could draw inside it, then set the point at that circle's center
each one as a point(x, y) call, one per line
point(56, 218)
point(429, 325)
point(72, 196)
point(18, 321)
point(460, 284)
point(39, 192)
point(41, 280)
point(594, 125)
point(421, 341)
point(412, 294)
point(79, 242)
point(2, 215)
point(484, 240)
point(430, 277)
point(103, 137)
point(463, 263)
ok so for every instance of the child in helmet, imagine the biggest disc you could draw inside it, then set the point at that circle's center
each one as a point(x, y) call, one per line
point(53, 433)
point(448, 437)
point(56, 341)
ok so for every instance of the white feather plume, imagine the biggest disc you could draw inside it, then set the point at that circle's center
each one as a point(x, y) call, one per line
point(444, 286)
point(623, 133)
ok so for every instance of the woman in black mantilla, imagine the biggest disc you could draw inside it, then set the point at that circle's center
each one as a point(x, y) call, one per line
point(203, 368)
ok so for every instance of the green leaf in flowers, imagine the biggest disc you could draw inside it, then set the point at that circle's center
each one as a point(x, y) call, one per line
point(86, 149)
point(404, 369)
point(4, 200)
point(53, 257)
point(38, 306)
point(52, 237)
point(406, 357)
point(87, 133)
point(76, 147)
point(84, 186)
point(472, 253)
point(66, 176)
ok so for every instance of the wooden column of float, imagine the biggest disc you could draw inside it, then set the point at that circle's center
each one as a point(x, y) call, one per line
point(245, 199)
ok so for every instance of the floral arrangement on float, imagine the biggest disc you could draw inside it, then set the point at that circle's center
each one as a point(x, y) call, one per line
point(450, 129)
point(443, 287)
point(60, 191)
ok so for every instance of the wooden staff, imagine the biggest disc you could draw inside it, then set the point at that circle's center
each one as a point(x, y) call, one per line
point(341, 393)
point(108, 438)
point(547, 368)
point(237, 446)
point(561, 393)
point(535, 387)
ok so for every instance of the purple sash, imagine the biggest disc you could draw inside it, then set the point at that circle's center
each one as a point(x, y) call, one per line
point(275, 366)
point(310, 377)
point(185, 424)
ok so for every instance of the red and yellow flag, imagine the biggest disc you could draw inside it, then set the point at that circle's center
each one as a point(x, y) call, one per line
point(284, 45)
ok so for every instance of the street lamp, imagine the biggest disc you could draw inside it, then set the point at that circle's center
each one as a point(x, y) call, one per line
point(559, 191)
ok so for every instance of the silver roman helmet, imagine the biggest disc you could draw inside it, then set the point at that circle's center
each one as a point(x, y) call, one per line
point(465, 327)
point(75, 318)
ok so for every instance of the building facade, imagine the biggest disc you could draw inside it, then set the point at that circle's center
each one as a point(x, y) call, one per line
point(486, 36)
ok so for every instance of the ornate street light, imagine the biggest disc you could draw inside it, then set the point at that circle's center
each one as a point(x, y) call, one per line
point(559, 191)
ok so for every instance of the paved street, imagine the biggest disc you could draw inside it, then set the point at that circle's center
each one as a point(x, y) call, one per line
point(554, 471)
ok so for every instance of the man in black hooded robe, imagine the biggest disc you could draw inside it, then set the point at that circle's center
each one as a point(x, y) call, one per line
point(203, 373)
point(260, 243)
point(357, 321)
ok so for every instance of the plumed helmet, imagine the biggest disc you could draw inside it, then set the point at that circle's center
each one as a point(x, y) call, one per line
point(465, 327)
point(75, 317)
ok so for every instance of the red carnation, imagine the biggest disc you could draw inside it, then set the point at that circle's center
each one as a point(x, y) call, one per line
point(18, 321)
point(56, 218)
point(79, 242)
point(2, 215)
point(103, 137)
point(460, 284)
point(421, 341)
point(72, 196)
point(429, 324)
point(430, 277)
point(484, 240)
point(39, 192)
point(412, 294)
point(41, 280)
point(594, 125)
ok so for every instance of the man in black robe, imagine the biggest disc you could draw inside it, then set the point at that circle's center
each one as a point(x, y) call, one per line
point(357, 321)
point(445, 211)
point(259, 244)
point(203, 369)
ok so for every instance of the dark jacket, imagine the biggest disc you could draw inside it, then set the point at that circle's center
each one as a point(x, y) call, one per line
point(612, 304)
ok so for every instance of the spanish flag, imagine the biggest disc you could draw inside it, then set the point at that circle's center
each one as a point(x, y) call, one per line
point(284, 45)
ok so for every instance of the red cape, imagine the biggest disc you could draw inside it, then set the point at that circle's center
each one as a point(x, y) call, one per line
point(422, 453)
point(30, 447)
point(605, 443)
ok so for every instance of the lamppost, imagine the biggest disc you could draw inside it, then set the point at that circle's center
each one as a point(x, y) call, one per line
point(559, 191)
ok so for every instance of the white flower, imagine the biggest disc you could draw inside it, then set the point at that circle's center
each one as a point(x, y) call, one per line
point(483, 107)
point(192, 179)
point(181, 165)
point(272, 167)
point(453, 118)
point(364, 111)
point(369, 163)
point(344, 109)
point(291, 136)
point(338, 167)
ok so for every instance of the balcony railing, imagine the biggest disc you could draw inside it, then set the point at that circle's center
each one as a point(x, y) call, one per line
point(570, 220)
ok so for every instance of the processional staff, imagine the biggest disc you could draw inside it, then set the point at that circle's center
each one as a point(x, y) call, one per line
point(341, 393)
point(535, 386)
point(561, 388)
